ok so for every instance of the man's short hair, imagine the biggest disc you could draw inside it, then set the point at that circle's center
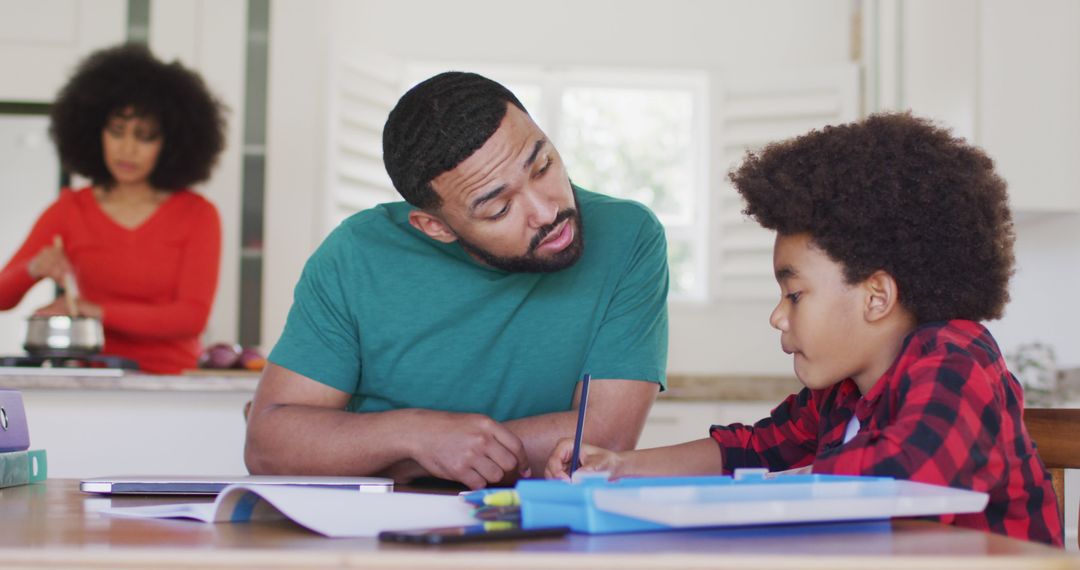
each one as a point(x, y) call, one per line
point(893, 192)
point(438, 124)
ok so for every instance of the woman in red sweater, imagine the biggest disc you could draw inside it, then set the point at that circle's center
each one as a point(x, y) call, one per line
point(142, 247)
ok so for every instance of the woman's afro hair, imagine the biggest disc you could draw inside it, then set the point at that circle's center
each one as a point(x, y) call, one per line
point(112, 80)
point(893, 192)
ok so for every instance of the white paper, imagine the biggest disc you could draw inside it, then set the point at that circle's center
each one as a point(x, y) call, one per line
point(336, 513)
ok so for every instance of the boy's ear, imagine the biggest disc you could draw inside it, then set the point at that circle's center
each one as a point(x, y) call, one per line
point(882, 296)
point(432, 226)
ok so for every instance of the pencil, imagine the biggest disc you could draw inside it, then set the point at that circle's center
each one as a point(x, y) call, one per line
point(575, 462)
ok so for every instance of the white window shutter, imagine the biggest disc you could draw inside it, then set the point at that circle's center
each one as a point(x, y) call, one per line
point(363, 93)
point(756, 108)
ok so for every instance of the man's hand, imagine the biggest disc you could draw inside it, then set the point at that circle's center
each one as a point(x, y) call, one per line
point(470, 448)
point(299, 426)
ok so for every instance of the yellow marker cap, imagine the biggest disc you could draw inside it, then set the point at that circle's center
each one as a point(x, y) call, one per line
point(502, 499)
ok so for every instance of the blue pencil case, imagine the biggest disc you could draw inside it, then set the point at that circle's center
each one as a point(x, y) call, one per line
point(598, 506)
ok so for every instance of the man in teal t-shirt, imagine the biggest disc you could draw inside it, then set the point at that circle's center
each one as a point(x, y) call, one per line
point(447, 335)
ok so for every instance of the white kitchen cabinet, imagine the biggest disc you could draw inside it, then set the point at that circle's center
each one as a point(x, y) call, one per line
point(42, 40)
point(1029, 100)
point(1003, 74)
point(95, 432)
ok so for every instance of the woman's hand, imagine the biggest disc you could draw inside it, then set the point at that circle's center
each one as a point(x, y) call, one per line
point(592, 459)
point(83, 308)
point(50, 262)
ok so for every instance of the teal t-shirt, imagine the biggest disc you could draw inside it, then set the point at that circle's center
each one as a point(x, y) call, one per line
point(400, 320)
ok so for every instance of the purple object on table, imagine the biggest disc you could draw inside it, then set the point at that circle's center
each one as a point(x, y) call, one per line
point(14, 433)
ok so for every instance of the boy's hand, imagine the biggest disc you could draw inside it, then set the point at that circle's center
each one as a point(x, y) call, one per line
point(592, 458)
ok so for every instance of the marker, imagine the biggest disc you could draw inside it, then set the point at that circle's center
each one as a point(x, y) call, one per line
point(498, 513)
point(477, 497)
point(574, 461)
point(502, 499)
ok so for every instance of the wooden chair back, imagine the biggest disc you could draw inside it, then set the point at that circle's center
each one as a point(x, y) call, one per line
point(1056, 432)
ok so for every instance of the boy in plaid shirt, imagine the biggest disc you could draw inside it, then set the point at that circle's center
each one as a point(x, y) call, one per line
point(894, 239)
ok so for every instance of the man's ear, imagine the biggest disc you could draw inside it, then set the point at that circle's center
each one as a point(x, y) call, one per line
point(432, 226)
point(882, 296)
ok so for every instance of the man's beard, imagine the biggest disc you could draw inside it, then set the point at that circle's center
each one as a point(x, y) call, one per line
point(530, 263)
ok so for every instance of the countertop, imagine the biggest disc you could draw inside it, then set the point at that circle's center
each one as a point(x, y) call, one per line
point(77, 379)
point(738, 388)
point(681, 387)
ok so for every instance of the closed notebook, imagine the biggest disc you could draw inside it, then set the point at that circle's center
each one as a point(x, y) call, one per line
point(22, 467)
point(212, 485)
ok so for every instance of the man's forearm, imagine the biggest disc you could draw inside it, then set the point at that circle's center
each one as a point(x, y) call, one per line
point(307, 440)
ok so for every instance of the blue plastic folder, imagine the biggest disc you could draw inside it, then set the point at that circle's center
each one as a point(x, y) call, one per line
point(597, 506)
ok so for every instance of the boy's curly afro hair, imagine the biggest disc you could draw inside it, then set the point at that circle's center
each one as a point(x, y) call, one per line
point(893, 192)
point(128, 76)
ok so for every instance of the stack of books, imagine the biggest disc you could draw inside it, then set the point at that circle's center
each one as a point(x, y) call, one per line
point(19, 465)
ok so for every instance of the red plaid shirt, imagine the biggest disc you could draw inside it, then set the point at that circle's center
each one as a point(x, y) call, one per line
point(947, 412)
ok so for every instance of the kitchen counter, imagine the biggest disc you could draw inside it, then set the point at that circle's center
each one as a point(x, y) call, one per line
point(681, 387)
point(234, 381)
point(731, 388)
point(765, 388)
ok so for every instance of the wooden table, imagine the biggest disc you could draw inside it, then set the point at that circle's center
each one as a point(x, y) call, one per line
point(53, 525)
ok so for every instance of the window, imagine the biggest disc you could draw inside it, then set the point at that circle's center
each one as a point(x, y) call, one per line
point(635, 135)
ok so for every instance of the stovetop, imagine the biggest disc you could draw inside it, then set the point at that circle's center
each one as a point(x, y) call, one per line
point(69, 361)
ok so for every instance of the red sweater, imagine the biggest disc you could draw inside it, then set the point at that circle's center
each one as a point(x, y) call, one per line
point(155, 283)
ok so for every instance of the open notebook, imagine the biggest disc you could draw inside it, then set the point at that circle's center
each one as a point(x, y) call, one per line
point(335, 513)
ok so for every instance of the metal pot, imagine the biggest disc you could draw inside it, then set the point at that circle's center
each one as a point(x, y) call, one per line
point(61, 335)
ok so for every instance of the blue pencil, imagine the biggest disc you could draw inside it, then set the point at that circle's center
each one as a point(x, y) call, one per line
point(574, 461)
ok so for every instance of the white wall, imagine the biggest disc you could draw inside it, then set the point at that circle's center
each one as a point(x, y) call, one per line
point(637, 33)
point(41, 40)
point(1044, 290)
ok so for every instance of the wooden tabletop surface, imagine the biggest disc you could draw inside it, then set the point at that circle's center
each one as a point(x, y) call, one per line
point(53, 525)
